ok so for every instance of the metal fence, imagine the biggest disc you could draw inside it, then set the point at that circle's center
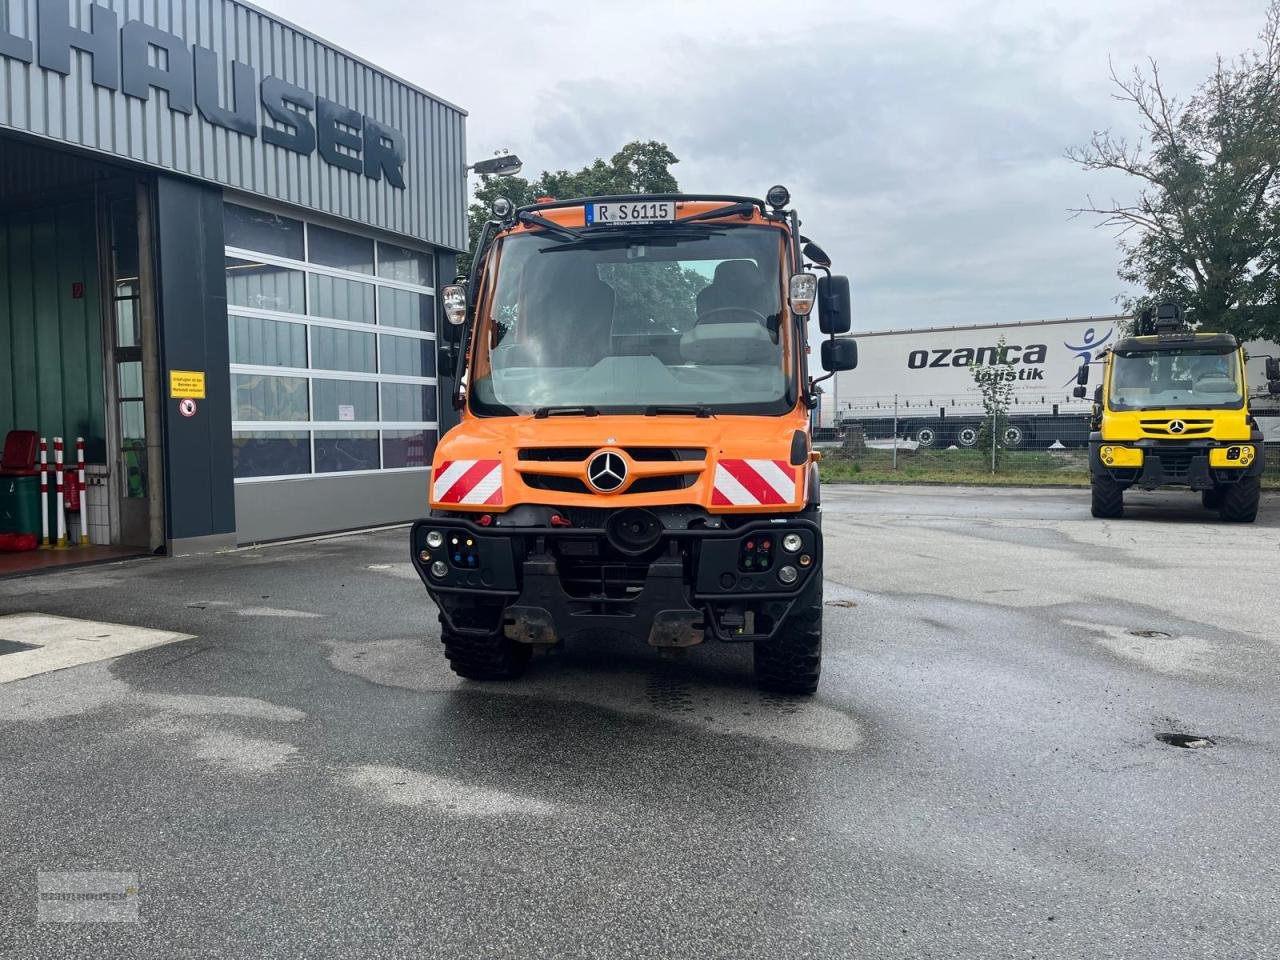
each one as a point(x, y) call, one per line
point(1045, 449)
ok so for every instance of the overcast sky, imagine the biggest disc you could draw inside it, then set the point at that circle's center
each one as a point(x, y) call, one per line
point(922, 140)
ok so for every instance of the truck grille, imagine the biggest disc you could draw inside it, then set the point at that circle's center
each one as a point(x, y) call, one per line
point(597, 579)
point(1160, 428)
point(1176, 463)
point(562, 484)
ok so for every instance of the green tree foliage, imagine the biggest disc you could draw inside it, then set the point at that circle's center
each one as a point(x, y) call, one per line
point(995, 384)
point(639, 167)
point(1204, 230)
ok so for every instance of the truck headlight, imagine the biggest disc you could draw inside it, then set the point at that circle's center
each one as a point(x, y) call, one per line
point(792, 543)
point(435, 539)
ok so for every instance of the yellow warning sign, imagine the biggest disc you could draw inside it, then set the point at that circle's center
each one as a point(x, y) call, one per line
point(186, 384)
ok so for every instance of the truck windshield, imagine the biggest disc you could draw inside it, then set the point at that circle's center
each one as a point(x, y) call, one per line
point(1190, 379)
point(629, 320)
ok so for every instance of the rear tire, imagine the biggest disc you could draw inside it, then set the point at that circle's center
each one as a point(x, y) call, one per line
point(1108, 498)
point(494, 657)
point(1240, 500)
point(792, 661)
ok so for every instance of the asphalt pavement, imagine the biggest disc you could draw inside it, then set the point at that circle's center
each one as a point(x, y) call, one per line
point(980, 775)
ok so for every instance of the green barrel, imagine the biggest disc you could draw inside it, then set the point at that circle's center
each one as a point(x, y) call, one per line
point(20, 505)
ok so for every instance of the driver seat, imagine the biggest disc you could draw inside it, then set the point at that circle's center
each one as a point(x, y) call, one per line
point(736, 283)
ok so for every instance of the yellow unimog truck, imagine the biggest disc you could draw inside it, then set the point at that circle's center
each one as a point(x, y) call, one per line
point(634, 455)
point(1173, 410)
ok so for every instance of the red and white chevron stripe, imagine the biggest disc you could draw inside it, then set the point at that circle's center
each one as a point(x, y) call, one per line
point(752, 483)
point(477, 482)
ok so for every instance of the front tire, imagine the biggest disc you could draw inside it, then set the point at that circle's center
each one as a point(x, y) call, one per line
point(495, 657)
point(791, 662)
point(1108, 498)
point(1240, 500)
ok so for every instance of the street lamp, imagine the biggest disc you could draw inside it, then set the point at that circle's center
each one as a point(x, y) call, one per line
point(507, 165)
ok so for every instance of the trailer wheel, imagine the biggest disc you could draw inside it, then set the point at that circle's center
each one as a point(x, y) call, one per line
point(967, 436)
point(1015, 435)
point(1108, 497)
point(926, 436)
point(494, 657)
point(792, 661)
point(1240, 500)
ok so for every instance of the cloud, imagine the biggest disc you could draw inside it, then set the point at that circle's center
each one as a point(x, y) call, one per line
point(922, 141)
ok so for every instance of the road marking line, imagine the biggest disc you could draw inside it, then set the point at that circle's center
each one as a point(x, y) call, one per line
point(63, 642)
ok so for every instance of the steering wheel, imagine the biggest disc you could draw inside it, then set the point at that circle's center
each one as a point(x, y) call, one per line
point(753, 316)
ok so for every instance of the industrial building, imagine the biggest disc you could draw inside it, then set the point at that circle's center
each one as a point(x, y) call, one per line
point(220, 241)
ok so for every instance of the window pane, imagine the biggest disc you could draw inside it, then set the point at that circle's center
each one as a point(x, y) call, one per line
point(264, 287)
point(342, 350)
point(127, 332)
point(355, 400)
point(332, 248)
point(351, 450)
point(407, 448)
point(263, 232)
point(406, 402)
point(341, 299)
point(400, 308)
point(408, 358)
point(124, 240)
point(270, 454)
point(129, 382)
point(269, 343)
point(407, 266)
point(259, 397)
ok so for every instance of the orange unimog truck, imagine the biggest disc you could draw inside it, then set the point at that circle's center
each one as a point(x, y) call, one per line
point(634, 454)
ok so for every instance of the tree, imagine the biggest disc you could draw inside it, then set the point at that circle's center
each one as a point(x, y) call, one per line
point(1204, 230)
point(639, 167)
point(995, 383)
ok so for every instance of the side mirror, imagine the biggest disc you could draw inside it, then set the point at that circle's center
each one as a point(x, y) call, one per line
point(1273, 368)
point(835, 306)
point(1080, 392)
point(838, 355)
point(1082, 375)
point(815, 254)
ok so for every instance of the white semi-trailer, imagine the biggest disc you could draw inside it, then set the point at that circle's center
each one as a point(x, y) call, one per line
point(925, 377)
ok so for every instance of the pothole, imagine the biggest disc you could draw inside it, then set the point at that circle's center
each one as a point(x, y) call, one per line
point(1186, 741)
point(1150, 634)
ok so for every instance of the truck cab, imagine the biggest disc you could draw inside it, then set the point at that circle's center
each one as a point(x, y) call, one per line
point(1173, 410)
point(633, 456)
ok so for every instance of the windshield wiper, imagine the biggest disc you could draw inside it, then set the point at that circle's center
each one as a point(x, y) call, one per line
point(541, 413)
point(695, 410)
point(743, 209)
point(567, 233)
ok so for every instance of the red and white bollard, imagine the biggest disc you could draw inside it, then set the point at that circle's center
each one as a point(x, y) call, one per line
point(61, 508)
point(84, 494)
point(44, 492)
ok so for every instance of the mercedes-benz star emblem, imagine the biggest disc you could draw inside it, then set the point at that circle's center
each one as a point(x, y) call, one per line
point(607, 471)
point(1176, 426)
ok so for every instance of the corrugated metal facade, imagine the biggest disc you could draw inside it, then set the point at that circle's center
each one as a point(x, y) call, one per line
point(71, 109)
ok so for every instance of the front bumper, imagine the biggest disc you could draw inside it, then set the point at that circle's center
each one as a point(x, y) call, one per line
point(1198, 464)
point(542, 584)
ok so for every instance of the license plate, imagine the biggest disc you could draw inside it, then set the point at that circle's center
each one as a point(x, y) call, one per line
point(631, 211)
